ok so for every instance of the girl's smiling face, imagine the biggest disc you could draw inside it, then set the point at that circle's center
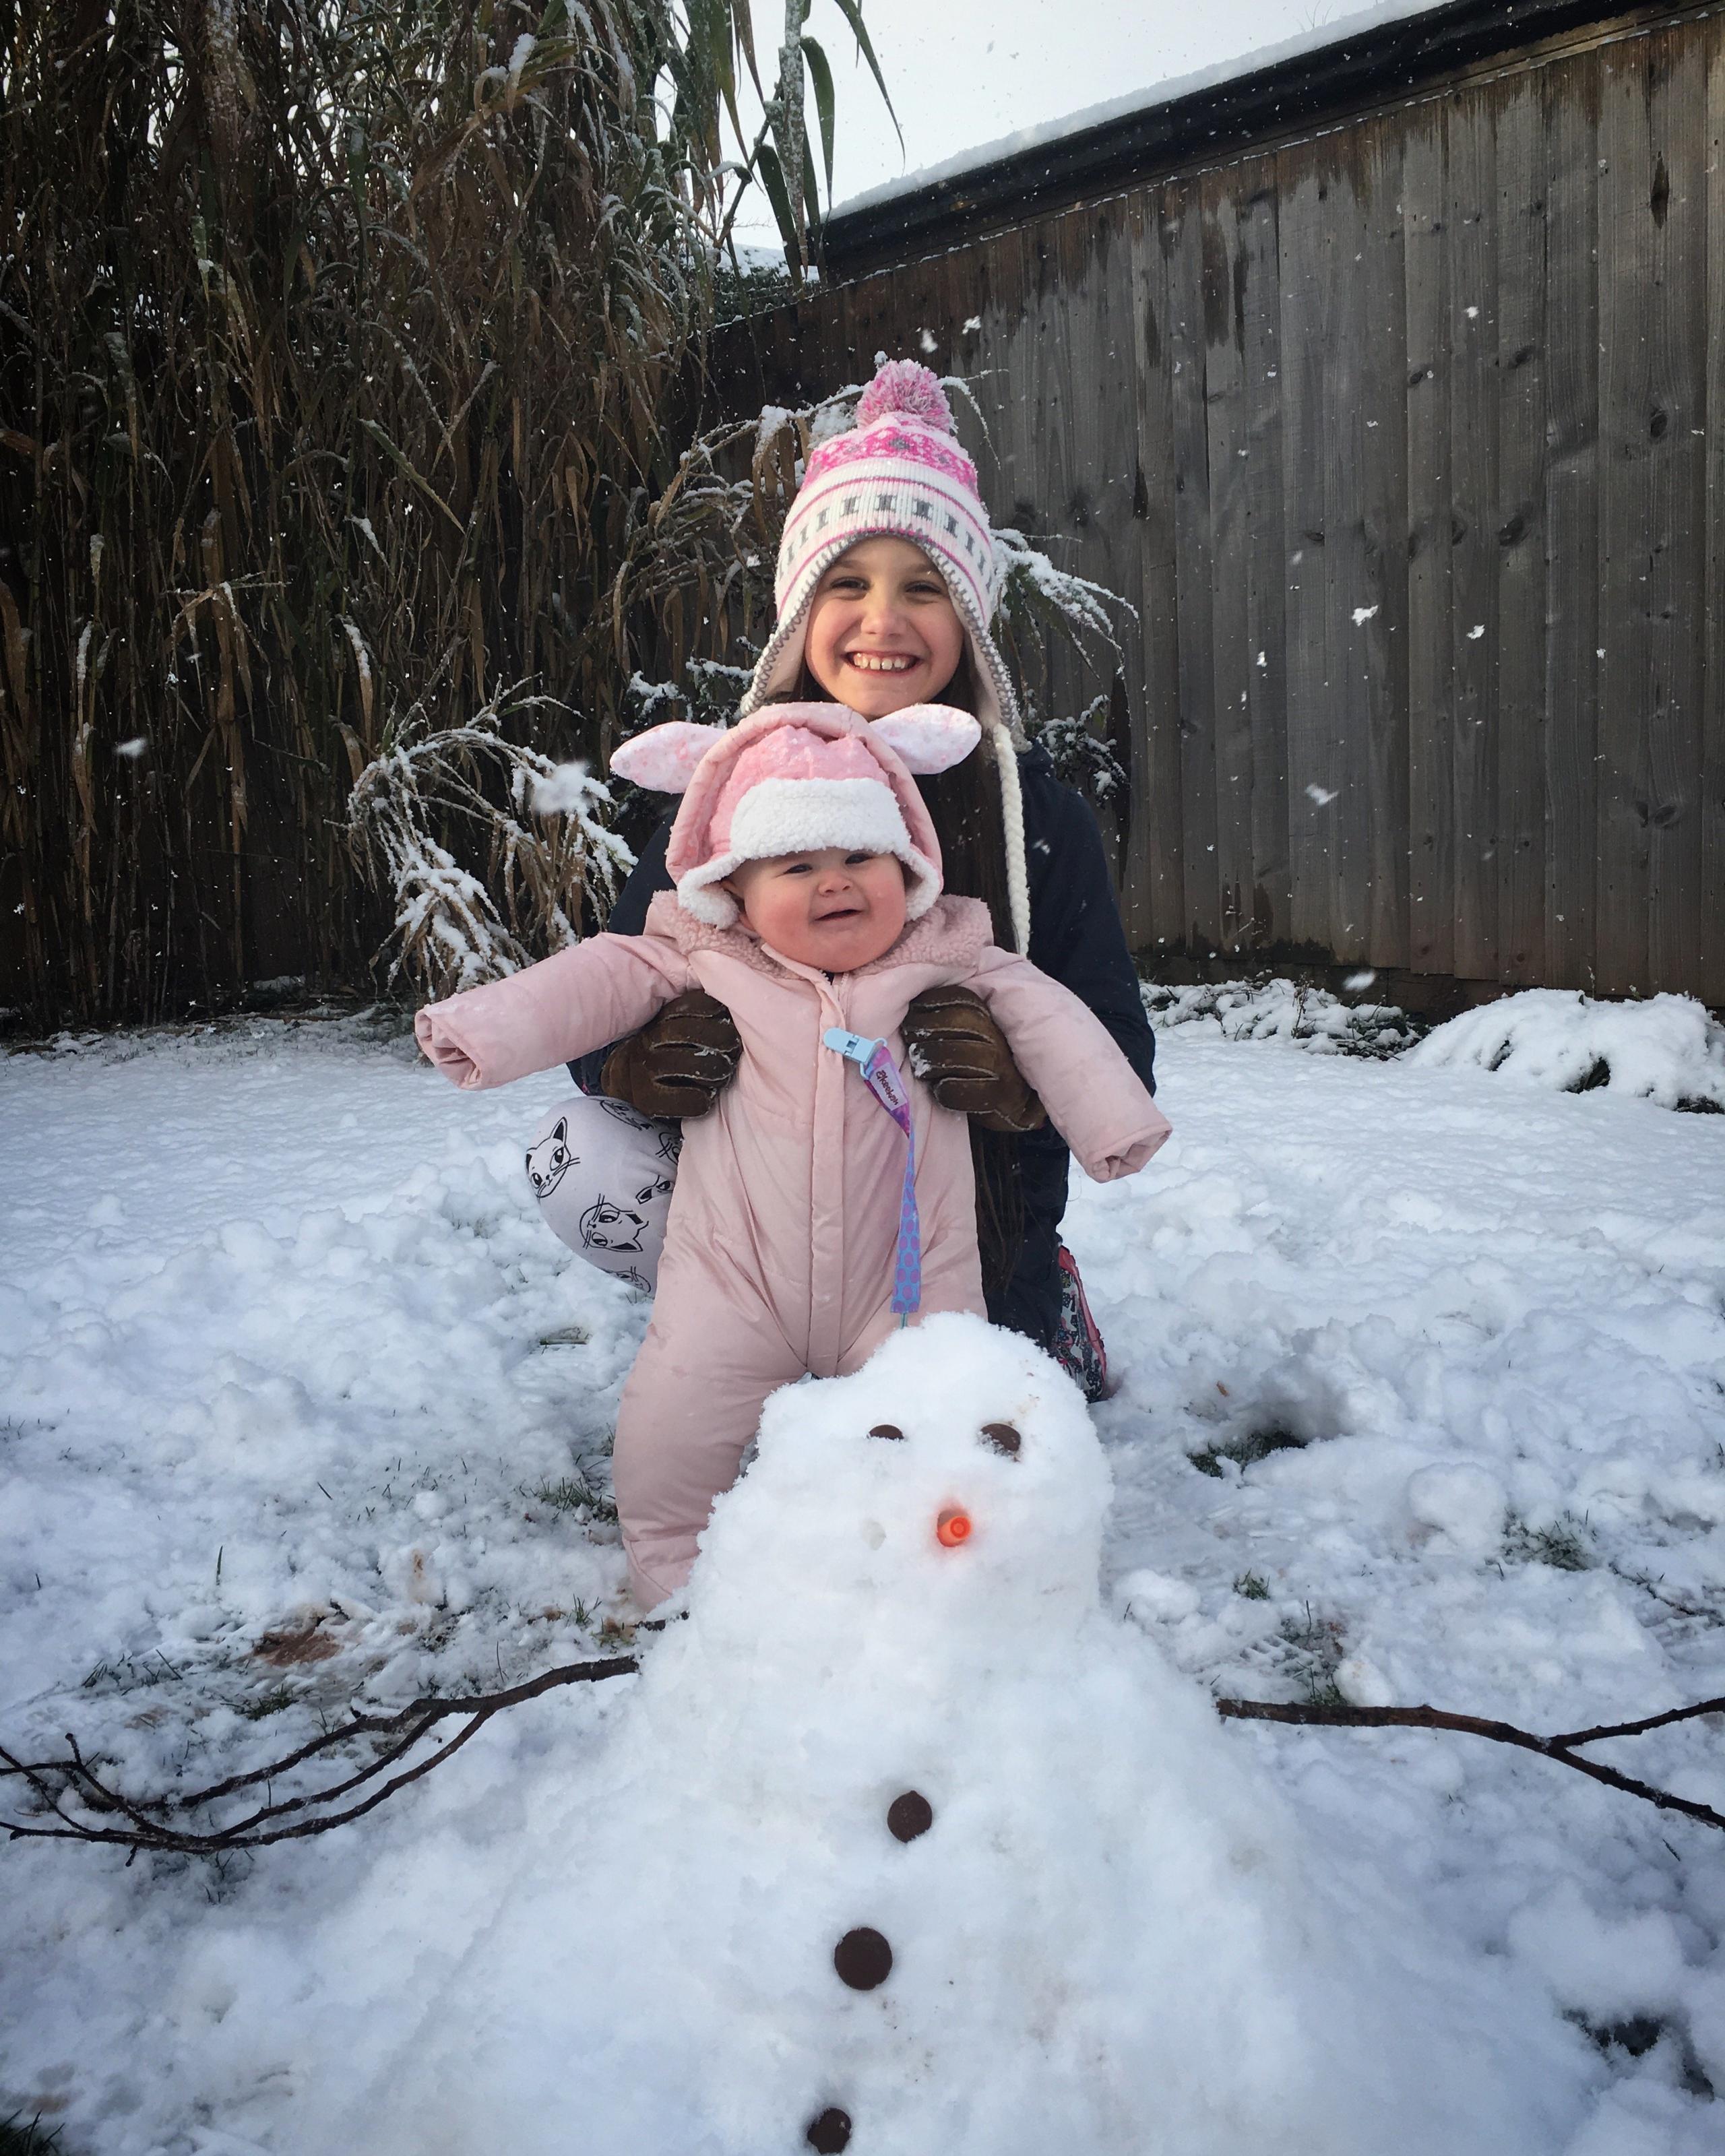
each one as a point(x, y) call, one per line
point(883, 632)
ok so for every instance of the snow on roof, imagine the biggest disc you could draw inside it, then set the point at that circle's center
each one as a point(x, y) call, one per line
point(1320, 37)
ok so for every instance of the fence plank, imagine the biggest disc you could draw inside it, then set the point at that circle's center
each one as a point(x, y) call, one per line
point(1431, 910)
point(1707, 979)
point(1572, 511)
point(1102, 407)
point(1306, 244)
point(1379, 653)
point(1183, 246)
point(1676, 329)
point(1228, 454)
point(1627, 511)
point(1353, 596)
point(1520, 534)
point(1473, 559)
point(1155, 905)
point(1266, 553)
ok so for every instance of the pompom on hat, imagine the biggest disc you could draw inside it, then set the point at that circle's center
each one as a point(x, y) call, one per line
point(794, 780)
point(900, 473)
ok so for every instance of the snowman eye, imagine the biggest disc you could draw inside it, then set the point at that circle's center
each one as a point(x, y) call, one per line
point(887, 1429)
point(1003, 1437)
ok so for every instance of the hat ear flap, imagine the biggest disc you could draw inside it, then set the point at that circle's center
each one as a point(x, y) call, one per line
point(928, 738)
point(665, 758)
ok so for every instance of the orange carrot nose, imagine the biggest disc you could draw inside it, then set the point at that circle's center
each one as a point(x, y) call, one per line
point(953, 1527)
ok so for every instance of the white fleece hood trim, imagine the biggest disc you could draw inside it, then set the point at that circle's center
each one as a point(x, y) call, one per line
point(803, 816)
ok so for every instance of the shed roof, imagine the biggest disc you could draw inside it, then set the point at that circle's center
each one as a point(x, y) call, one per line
point(1397, 49)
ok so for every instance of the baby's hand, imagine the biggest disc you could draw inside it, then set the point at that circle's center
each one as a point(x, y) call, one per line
point(679, 1064)
point(959, 1053)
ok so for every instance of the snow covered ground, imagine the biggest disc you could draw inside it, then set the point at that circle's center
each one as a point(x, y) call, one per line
point(1423, 1399)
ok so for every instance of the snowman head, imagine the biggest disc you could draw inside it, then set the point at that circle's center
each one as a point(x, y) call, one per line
point(952, 1485)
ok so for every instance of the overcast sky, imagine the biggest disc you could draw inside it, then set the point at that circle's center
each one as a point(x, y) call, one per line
point(966, 72)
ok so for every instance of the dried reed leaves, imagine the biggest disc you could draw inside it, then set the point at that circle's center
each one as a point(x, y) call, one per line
point(336, 341)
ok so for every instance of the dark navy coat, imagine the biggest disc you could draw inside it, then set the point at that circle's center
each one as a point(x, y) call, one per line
point(1076, 939)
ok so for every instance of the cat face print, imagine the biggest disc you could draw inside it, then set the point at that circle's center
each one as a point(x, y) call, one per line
point(550, 1160)
point(605, 1226)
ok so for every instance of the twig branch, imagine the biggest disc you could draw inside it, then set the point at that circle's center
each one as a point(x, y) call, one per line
point(1561, 1748)
point(152, 1822)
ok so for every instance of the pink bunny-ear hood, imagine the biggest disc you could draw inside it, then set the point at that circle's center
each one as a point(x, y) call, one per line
point(665, 758)
point(928, 738)
point(793, 777)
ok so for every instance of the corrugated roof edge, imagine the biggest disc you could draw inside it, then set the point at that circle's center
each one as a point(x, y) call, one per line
point(1351, 72)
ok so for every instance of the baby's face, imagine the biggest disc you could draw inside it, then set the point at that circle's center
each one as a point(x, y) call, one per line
point(833, 908)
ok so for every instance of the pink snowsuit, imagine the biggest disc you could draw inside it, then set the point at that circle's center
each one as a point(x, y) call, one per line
point(782, 1231)
point(778, 1254)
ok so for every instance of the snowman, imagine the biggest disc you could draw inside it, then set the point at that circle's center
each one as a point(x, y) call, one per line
point(903, 1846)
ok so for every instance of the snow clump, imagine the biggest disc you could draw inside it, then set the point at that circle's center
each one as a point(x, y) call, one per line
point(1281, 1010)
point(1668, 1048)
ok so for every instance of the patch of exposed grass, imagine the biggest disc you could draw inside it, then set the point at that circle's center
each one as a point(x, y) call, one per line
point(1253, 1445)
point(1252, 1587)
point(1563, 1544)
point(573, 1493)
point(264, 1704)
point(16, 2139)
point(1313, 1649)
point(127, 1673)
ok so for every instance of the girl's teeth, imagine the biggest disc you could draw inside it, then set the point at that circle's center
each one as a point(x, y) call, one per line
point(881, 665)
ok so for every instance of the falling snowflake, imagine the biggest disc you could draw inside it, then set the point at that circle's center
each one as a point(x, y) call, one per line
point(926, 339)
point(1364, 613)
point(1323, 795)
point(1476, 632)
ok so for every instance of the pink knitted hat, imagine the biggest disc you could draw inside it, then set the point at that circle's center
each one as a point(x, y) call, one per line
point(900, 473)
point(792, 779)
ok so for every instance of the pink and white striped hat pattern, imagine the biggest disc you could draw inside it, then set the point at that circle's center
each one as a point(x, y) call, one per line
point(899, 473)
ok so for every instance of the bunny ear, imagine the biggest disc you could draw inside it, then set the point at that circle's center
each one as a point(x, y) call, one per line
point(929, 737)
point(664, 758)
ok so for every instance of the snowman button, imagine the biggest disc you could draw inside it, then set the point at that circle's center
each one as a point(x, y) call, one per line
point(887, 1429)
point(830, 2133)
point(1003, 1438)
point(863, 1959)
point(909, 1816)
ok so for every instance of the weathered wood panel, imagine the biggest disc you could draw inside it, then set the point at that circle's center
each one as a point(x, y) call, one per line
point(1156, 863)
point(1407, 444)
point(1707, 978)
point(1519, 518)
point(1431, 832)
point(1570, 362)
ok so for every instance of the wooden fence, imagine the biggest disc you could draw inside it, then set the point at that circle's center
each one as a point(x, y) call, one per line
point(1407, 441)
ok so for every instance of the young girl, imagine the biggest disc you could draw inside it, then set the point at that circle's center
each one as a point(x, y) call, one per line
point(807, 881)
point(887, 579)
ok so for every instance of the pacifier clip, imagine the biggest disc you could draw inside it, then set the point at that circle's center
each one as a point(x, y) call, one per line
point(880, 1075)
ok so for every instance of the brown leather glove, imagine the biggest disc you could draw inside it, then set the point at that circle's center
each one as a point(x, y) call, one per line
point(679, 1064)
point(960, 1053)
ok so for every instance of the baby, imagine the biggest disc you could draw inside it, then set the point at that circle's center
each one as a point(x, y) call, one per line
point(807, 900)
